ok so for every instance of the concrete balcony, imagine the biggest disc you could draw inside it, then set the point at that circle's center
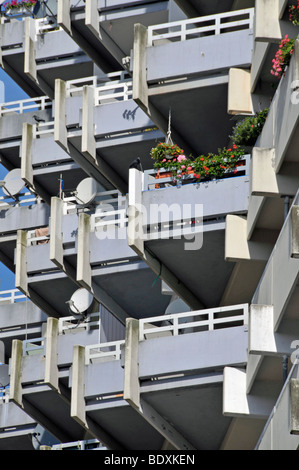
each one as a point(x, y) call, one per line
point(273, 330)
point(194, 8)
point(179, 231)
point(200, 84)
point(15, 426)
point(148, 392)
point(45, 363)
point(99, 125)
point(105, 29)
point(33, 57)
point(274, 181)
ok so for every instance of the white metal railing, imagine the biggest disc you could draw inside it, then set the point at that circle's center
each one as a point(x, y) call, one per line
point(22, 106)
point(23, 199)
point(91, 444)
point(43, 26)
point(195, 27)
point(4, 395)
point(209, 319)
point(116, 91)
point(111, 350)
point(34, 346)
point(70, 323)
point(43, 128)
point(11, 296)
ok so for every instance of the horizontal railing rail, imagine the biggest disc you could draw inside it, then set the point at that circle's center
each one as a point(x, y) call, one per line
point(111, 350)
point(11, 296)
point(26, 198)
point(203, 320)
point(22, 106)
point(34, 346)
point(71, 323)
point(196, 27)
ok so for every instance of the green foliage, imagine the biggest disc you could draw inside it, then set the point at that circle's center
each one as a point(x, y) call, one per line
point(246, 132)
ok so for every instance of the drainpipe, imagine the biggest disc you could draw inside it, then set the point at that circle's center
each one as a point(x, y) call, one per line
point(285, 358)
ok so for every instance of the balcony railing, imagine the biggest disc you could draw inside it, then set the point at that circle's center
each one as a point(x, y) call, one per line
point(22, 106)
point(104, 351)
point(11, 296)
point(188, 322)
point(202, 26)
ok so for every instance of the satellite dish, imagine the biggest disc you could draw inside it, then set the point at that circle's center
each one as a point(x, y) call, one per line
point(81, 300)
point(13, 183)
point(86, 191)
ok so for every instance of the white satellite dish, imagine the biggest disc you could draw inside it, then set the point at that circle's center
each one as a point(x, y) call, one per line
point(81, 300)
point(86, 191)
point(13, 183)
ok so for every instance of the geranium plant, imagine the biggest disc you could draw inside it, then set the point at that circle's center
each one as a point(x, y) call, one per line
point(246, 132)
point(202, 167)
point(282, 56)
point(166, 151)
point(15, 4)
point(294, 14)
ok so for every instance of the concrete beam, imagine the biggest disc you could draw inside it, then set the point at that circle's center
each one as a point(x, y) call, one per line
point(239, 92)
point(294, 406)
point(264, 179)
point(238, 247)
point(92, 18)
point(21, 280)
point(131, 378)
point(236, 401)
point(51, 354)
point(15, 391)
point(78, 405)
point(262, 336)
point(267, 24)
point(135, 212)
point(29, 49)
point(56, 235)
point(83, 251)
point(64, 15)
point(140, 88)
point(60, 129)
point(26, 154)
point(88, 143)
point(132, 390)
point(294, 231)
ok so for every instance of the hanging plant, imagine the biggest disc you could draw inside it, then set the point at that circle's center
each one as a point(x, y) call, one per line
point(201, 168)
point(282, 56)
point(294, 14)
point(246, 132)
point(165, 151)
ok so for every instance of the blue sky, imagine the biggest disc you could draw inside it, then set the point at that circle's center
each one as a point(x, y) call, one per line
point(9, 92)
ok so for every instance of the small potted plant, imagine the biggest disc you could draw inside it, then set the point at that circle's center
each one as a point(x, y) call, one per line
point(294, 14)
point(21, 6)
point(246, 131)
point(282, 57)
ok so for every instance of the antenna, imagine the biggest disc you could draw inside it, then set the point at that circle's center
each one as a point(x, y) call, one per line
point(80, 301)
point(86, 191)
point(12, 185)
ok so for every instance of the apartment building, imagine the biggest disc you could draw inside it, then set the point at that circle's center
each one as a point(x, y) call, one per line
point(151, 310)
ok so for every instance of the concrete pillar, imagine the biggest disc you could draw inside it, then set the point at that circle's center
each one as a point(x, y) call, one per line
point(131, 380)
point(60, 130)
point(83, 251)
point(88, 144)
point(264, 179)
point(135, 212)
point(239, 92)
point(294, 406)
point(15, 392)
point(140, 88)
point(295, 231)
point(29, 49)
point(21, 281)
point(78, 385)
point(51, 365)
point(56, 235)
point(238, 247)
point(267, 24)
point(92, 19)
point(26, 154)
point(64, 15)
